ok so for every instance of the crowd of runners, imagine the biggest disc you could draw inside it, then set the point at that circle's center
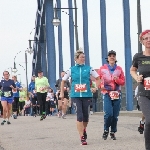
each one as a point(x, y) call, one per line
point(75, 86)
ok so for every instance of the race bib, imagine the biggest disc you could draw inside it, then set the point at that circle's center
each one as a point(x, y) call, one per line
point(80, 88)
point(114, 95)
point(147, 83)
point(7, 94)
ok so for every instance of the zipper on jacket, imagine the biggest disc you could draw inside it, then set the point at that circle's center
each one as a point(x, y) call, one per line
point(80, 81)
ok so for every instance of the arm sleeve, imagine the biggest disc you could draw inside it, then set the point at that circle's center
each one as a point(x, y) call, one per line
point(67, 75)
point(94, 73)
point(19, 85)
point(35, 84)
point(29, 87)
point(121, 79)
point(135, 61)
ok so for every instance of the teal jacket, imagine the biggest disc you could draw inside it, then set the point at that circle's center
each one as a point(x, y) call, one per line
point(80, 81)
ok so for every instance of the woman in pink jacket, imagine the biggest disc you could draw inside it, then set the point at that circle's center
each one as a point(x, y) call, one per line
point(112, 78)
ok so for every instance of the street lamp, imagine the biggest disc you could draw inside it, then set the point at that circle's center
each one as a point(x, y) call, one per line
point(56, 21)
point(14, 70)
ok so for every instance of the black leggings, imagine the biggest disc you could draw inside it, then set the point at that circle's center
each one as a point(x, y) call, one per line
point(82, 105)
point(1, 108)
point(21, 105)
point(15, 104)
point(47, 105)
point(41, 97)
point(144, 103)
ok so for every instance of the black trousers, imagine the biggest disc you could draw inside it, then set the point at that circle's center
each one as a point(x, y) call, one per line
point(41, 97)
point(47, 107)
point(15, 104)
point(21, 105)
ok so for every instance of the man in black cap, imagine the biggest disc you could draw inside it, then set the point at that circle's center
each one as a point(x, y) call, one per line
point(41, 87)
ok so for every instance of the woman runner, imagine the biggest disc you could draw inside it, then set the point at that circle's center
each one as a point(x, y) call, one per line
point(80, 91)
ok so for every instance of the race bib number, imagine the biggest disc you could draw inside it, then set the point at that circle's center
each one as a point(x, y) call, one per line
point(7, 94)
point(147, 83)
point(114, 95)
point(80, 88)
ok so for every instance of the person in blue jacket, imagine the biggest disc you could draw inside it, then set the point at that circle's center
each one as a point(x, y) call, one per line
point(32, 91)
point(15, 105)
point(81, 91)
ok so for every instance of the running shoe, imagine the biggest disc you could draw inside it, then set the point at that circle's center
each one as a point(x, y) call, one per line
point(41, 118)
point(3, 122)
point(91, 112)
point(15, 116)
point(83, 141)
point(85, 134)
point(8, 122)
point(59, 115)
point(105, 135)
point(141, 128)
point(44, 116)
point(63, 116)
point(112, 135)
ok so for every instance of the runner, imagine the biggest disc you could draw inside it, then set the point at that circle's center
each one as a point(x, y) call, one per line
point(33, 96)
point(80, 91)
point(15, 104)
point(141, 62)
point(62, 103)
point(23, 95)
point(7, 85)
point(41, 86)
point(112, 78)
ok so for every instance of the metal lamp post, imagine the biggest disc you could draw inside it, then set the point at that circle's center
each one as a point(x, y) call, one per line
point(56, 21)
point(30, 51)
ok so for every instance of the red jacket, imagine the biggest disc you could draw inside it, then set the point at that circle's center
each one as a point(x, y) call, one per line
point(107, 78)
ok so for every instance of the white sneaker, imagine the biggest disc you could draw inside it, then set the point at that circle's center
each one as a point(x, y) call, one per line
point(63, 116)
point(91, 112)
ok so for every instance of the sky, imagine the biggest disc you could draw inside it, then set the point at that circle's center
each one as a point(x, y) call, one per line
point(17, 20)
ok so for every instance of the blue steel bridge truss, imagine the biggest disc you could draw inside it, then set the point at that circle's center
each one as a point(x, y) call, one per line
point(44, 56)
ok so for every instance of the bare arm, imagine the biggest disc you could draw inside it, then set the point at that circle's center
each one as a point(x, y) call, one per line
point(133, 72)
point(62, 89)
point(97, 81)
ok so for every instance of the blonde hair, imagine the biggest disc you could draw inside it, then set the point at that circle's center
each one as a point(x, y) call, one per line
point(77, 54)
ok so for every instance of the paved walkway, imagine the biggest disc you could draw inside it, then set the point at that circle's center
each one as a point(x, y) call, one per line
point(28, 133)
